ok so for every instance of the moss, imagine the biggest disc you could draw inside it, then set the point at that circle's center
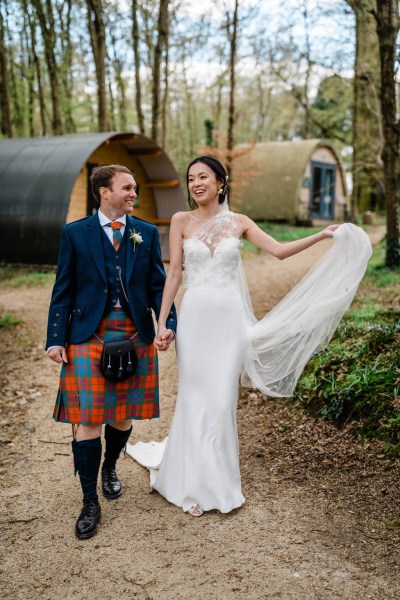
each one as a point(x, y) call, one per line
point(8, 320)
point(358, 378)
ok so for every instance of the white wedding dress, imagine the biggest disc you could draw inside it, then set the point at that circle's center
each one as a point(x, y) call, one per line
point(218, 339)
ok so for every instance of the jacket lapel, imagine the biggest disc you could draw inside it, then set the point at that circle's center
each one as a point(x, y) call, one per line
point(93, 238)
point(132, 252)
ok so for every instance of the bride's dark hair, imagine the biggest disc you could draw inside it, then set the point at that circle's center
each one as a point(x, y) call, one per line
point(220, 174)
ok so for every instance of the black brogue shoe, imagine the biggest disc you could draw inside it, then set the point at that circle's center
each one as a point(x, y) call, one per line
point(86, 525)
point(111, 485)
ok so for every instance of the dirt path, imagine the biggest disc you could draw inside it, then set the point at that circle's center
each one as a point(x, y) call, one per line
point(316, 523)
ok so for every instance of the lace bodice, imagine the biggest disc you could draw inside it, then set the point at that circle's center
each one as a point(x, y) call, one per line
point(204, 268)
point(212, 254)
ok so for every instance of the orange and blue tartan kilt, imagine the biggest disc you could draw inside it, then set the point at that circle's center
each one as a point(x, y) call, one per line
point(86, 397)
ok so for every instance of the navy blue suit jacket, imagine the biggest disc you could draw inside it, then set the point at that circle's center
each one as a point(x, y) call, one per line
point(80, 291)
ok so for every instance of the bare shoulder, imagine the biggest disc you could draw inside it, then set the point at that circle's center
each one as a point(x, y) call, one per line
point(180, 218)
point(245, 222)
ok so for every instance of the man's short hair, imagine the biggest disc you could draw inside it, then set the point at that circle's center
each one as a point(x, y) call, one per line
point(103, 175)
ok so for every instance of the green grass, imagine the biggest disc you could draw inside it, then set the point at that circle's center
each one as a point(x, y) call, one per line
point(17, 276)
point(378, 274)
point(357, 378)
point(282, 232)
point(8, 320)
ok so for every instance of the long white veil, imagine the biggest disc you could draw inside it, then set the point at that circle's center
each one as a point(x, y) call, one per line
point(280, 344)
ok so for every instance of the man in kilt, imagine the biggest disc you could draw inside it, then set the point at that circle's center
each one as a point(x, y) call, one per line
point(110, 278)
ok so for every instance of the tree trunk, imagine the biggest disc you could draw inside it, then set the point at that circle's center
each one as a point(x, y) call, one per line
point(118, 65)
point(367, 191)
point(232, 29)
point(306, 105)
point(46, 22)
point(66, 70)
point(97, 34)
point(122, 104)
point(42, 105)
point(162, 35)
point(112, 106)
point(6, 122)
point(16, 91)
point(138, 86)
point(387, 29)
point(165, 98)
point(30, 75)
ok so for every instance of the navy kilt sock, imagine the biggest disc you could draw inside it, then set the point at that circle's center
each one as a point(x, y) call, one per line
point(87, 457)
point(115, 441)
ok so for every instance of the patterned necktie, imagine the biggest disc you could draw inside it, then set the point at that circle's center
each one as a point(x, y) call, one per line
point(117, 235)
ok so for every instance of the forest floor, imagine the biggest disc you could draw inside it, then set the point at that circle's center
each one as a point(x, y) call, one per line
point(322, 512)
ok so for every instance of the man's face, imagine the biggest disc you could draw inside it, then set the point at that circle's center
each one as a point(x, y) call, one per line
point(118, 200)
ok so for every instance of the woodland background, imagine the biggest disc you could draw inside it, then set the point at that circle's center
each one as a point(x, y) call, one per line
point(209, 76)
point(214, 75)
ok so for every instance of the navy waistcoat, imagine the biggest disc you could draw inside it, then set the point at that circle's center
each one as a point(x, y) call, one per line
point(113, 260)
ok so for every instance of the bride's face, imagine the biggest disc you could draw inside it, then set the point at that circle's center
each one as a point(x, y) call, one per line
point(203, 184)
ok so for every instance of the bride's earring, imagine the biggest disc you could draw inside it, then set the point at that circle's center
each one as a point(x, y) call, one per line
point(220, 191)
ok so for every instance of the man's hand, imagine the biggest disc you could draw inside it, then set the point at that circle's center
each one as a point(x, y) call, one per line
point(164, 338)
point(58, 354)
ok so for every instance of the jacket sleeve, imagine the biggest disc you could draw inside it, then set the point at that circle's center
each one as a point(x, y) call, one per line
point(63, 293)
point(157, 282)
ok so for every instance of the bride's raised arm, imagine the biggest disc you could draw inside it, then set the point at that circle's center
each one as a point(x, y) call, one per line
point(173, 281)
point(255, 235)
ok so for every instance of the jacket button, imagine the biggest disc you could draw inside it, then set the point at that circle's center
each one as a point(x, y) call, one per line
point(57, 314)
point(114, 302)
point(54, 324)
point(105, 291)
point(78, 310)
point(55, 335)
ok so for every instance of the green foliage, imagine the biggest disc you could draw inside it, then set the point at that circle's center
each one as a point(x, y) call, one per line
point(332, 109)
point(357, 378)
point(16, 276)
point(8, 320)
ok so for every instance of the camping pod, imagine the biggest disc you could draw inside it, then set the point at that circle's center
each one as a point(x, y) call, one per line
point(297, 182)
point(44, 183)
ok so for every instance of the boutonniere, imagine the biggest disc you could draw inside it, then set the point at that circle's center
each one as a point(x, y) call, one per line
point(135, 237)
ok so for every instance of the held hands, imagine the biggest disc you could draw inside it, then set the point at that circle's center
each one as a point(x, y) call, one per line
point(328, 232)
point(58, 354)
point(164, 337)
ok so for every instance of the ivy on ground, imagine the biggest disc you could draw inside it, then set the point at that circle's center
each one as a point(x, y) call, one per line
point(357, 378)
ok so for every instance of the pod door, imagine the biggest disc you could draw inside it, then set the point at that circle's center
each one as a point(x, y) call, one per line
point(322, 191)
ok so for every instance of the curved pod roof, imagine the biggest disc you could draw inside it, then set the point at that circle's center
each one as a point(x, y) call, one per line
point(279, 169)
point(37, 176)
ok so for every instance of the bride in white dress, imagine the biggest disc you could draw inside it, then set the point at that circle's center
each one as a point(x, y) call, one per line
point(218, 338)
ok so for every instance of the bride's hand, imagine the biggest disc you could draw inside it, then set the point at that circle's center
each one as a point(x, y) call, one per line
point(328, 232)
point(163, 338)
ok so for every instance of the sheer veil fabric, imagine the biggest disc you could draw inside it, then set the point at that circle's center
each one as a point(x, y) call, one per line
point(219, 340)
point(305, 320)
